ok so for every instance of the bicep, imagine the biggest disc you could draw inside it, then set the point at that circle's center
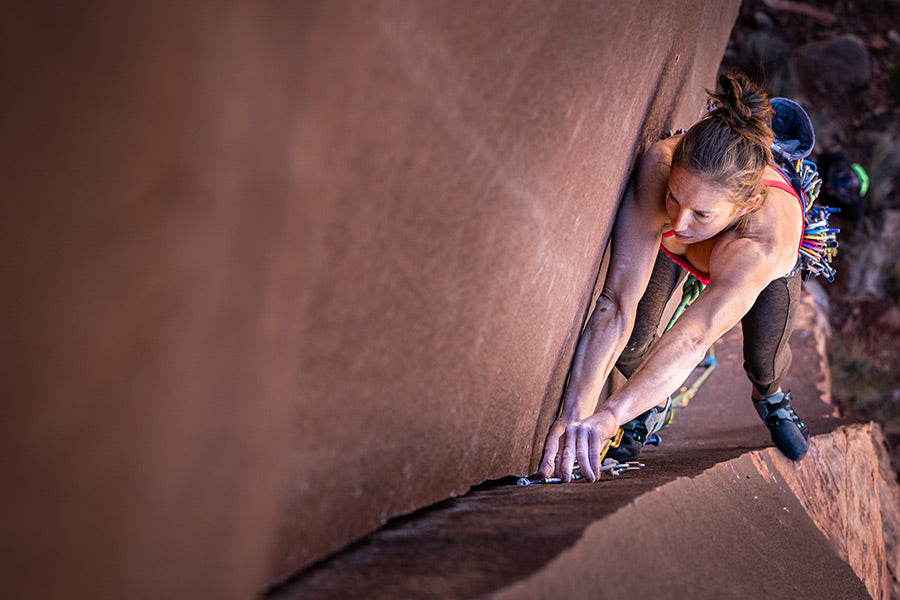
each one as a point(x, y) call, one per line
point(736, 282)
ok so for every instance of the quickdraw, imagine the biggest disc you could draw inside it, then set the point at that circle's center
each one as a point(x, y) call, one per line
point(612, 468)
point(794, 141)
point(819, 244)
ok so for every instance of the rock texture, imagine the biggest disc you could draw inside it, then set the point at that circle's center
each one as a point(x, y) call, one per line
point(343, 250)
point(850, 493)
point(729, 532)
point(715, 513)
point(465, 165)
point(336, 248)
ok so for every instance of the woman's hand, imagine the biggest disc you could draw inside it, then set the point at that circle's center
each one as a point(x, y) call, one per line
point(583, 440)
point(552, 453)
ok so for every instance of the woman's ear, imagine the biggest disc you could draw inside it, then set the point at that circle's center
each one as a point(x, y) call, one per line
point(750, 205)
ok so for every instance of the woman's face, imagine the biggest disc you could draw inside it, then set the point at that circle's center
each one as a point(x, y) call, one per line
point(697, 209)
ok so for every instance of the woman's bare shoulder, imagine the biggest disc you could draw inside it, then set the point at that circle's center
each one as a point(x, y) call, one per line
point(656, 164)
point(662, 150)
point(769, 243)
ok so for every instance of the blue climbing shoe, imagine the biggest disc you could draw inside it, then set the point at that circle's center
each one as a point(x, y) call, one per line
point(788, 432)
point(640, 431)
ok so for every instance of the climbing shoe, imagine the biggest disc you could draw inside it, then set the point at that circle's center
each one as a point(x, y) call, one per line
point(788, 432)
point(641, 431)
point(628, 449)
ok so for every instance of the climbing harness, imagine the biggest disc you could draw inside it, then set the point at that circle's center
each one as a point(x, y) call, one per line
point(818, 245)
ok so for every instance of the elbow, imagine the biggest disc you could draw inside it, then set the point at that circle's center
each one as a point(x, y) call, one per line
point(694, 343)
point(610, 306)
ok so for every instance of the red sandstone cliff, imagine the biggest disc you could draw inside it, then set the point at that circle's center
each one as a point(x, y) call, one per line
point(274, 274)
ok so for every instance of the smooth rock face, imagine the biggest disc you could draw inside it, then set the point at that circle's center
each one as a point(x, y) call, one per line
point(150, 237)
point(734, 531)
point(343, 248)
point(716, 512)
point(465, 165)
point(849, 491)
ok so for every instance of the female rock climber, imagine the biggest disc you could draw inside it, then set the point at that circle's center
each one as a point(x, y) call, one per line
point(710, 201)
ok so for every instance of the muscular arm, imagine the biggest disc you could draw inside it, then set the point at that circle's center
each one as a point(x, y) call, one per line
point(634, 247)
point(741, 270)
point(741, 266)
point(635, 241)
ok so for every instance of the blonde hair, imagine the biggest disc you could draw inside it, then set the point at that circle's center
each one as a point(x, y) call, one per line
point(730, 145)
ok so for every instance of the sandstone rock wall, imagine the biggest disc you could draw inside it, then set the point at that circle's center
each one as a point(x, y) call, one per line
point(466, 166)
point(341, 249)
point(850, 492)
point(715, 512)
point(741, 529)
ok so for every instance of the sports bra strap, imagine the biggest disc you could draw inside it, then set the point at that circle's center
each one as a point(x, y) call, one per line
point(781, 185)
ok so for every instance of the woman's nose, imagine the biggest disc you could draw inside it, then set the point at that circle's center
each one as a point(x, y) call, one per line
point(681, 221)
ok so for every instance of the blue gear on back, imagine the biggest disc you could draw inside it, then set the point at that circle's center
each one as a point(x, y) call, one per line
point(794, 141)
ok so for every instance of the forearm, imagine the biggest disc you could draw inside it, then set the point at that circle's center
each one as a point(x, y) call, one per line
point(598, 348)
point(664, 370)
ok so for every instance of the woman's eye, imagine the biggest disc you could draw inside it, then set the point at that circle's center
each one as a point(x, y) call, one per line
point(702, 216)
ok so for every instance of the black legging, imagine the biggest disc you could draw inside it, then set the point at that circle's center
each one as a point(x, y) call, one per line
point(767, 326)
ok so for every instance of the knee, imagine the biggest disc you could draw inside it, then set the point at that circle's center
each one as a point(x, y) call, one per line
point(633, 355)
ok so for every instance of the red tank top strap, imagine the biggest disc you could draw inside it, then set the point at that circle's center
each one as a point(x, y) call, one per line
point(780, 185)
point(787, 187)
point(784, 184)
point(684, 264)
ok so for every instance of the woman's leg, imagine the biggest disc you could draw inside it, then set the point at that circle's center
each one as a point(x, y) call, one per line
point(649, 313)
point(767, 358)
point(767, 328)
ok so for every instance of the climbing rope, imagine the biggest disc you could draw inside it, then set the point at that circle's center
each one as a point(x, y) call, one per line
point(687, 393)
point(690, 292)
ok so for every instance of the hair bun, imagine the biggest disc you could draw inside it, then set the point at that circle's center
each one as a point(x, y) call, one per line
point(730, 146)
point(742, 107)
point(732, 94)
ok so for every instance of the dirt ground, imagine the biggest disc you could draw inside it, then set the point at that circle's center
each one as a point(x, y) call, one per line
point(856, 113)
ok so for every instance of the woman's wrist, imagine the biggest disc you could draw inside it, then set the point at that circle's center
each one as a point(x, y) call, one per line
point(571, 409)
point(615, 406)
point(611, 422)
point(574, 411)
